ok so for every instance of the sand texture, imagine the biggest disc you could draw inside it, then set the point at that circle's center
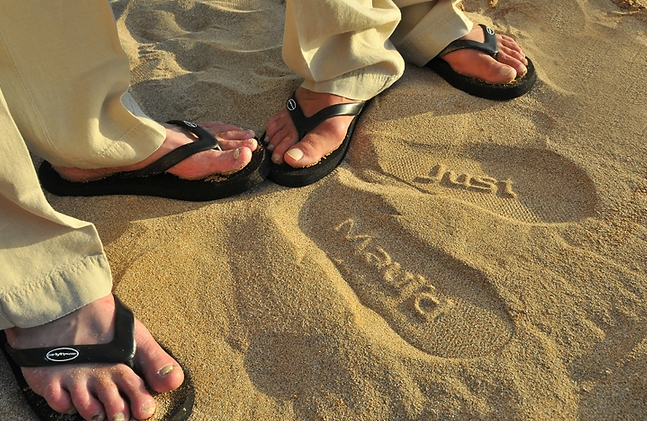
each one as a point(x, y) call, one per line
point(469, 260)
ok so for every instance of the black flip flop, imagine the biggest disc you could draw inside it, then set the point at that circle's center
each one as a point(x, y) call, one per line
point(477, 87)
point(286, 175)
point(120, 350)
point(153, 181)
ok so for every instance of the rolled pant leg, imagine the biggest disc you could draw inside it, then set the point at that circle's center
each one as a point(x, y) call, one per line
point(427, 27)
point(63, 74)
point(342, 46)
point(51, 264)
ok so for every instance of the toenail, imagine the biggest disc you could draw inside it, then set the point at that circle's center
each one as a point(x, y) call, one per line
point(507, 72)
point(166, 369)
point(148, 409)
point(266, 139)
point(119, 417)
point(254, 144)
point(276, 158)
point(98, 417)
point(72, 411)
point(236, 154)
point(295, 154)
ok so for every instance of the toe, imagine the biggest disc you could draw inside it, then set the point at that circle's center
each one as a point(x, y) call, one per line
point(512, 61)
point(509, 43)
point(113, 403)
point(236, 134)
point(314, 147)
point(227, 131)
point(281, 143)
point(225, 144)
point(161, 372)
point(502, 73)
point(58, 398)
point(280, 134)
point(87, 405)
point(306, 153)
point(293, 156)
point(513, 58)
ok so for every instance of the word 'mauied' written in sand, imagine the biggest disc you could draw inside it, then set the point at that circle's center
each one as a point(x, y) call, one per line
point(440, 174)
point(412, 288)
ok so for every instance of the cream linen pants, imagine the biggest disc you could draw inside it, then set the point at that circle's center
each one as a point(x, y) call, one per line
point(357, 48)
point(63, 76)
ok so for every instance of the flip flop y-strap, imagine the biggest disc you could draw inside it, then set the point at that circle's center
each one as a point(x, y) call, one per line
point(120, 350)
point(205, 142)
point(304, 124)
point(489, 46)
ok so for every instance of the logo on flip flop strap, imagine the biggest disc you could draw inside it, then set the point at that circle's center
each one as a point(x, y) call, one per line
point(291, 104)
point(190, 124)
point(489, 30)
point(61, 355)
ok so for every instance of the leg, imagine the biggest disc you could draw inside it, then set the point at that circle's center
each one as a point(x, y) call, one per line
point(48, 257)
point(66, 95)
point(344, 57)
point(55, 290)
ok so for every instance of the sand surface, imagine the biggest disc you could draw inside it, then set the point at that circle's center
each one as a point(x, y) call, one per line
point(469, 260)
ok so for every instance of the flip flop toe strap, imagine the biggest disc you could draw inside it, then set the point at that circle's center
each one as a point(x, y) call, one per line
point(205, 142)
point(305, 124)
point(120, 350)
point(489, 46)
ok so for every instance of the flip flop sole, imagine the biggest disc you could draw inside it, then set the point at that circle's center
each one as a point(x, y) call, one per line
point(482, 89)
point(162, 185)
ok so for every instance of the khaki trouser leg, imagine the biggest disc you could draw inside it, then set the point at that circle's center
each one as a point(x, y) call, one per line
point(342, 46)
point(346, 47)
point(63, 74)
point(51, 264)
point(427, 27)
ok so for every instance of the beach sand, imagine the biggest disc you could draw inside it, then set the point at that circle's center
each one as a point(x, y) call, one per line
point(469, 260)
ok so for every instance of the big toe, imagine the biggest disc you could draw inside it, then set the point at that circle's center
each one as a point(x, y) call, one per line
point(503, 73)
point(161, 372)
point(308, 152)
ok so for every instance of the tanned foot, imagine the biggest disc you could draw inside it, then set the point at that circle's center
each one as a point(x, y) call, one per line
point(237, 145)
point(283, 140)
point(510, 63)
point(97, 391)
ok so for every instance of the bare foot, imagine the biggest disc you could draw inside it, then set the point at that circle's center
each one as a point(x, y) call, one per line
point(509, 64)
point(97, 391)
point(281, 136)
point(237, 145)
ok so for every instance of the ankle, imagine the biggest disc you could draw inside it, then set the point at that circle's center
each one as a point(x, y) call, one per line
point(311, 101)
point(90, 324)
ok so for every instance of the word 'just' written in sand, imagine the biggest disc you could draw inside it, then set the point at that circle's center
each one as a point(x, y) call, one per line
point(412, 288)
point(440, 174)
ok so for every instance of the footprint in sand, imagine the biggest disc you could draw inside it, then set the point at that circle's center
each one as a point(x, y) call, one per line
point(528, 185)
point(433, 301)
